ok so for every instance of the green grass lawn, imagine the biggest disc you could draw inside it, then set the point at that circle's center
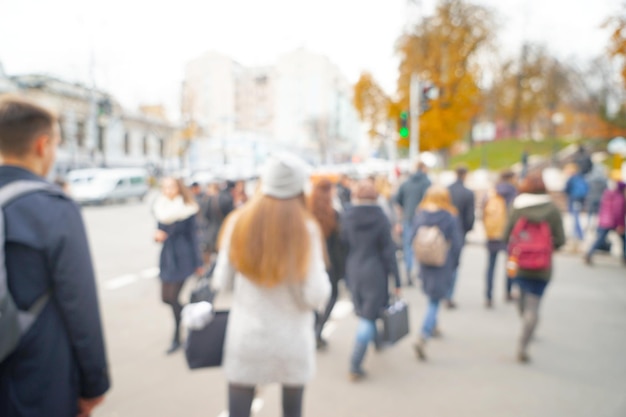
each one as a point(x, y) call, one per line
point(504, 153)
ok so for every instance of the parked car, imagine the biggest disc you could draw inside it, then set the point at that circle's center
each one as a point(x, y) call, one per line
point(99, 186)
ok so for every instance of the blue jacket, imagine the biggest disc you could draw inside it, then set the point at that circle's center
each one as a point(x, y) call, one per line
point(436, 281)
point(62, 356)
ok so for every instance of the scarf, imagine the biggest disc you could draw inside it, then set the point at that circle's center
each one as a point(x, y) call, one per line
point(169, 211)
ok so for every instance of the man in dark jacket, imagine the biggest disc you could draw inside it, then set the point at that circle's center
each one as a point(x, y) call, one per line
point(464, 201)
point(59, 367)
point(409, 196)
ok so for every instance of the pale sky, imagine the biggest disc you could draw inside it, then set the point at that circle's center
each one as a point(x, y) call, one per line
point(140, 47)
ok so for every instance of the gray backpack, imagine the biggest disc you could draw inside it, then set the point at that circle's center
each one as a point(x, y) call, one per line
point(430, 246)
point(14, 323)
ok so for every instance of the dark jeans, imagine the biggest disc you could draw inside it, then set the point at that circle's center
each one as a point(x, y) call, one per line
point(240, 399)
point(491, 269)
point(601, 238)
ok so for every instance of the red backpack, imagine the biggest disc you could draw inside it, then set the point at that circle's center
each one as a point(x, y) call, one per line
point(531, 245)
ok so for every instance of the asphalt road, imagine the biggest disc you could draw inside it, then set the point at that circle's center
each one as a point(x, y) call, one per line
point(578, 368)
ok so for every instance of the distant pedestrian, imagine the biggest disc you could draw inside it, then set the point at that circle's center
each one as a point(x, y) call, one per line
point(496, 208)
point(344, 191)
point(202, 224)
point(436, 233)
point(464, 201)
point(597, 181)
point(175, 211)
point(583, 160)
point(59, 367)
point(525, 163)
point(239, 194)
point(612, 217)
point(409, 196)
point(218, 207)
point(371, 260)
point(273, 250)
point(576, 190)
point(534, 230)
point(320, 205)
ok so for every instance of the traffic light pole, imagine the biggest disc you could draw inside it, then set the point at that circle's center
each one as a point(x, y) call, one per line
point(414, 100)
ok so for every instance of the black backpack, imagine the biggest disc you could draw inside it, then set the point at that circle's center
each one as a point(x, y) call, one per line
point(14, 323)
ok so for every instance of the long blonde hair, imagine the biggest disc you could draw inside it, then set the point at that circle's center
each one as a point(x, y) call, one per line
point(270, 242)
point(438, 198)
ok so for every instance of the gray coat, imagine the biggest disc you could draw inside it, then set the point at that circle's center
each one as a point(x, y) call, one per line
point(436, 281)
point(411, 193)
point(371, 258)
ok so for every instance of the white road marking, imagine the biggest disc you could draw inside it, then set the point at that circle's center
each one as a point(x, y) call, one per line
point(342, 309)
point(119, 282)
point(150, 273)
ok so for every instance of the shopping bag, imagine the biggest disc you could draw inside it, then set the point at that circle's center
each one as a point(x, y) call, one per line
point(395, 320)
point(204, 348)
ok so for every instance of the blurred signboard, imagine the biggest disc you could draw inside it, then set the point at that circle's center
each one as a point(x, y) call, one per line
point(484, 132)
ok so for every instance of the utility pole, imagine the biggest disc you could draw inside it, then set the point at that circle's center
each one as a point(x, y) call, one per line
point(414, 145)
point(414, 89)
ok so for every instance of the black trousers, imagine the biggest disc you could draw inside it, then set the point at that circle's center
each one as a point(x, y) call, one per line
point(240, 399)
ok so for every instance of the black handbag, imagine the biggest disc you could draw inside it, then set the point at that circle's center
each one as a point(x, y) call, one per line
point(204, 348)
point(395, 320)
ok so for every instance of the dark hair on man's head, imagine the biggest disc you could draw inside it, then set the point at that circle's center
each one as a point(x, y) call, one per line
point(461, 171)
point(533, 184)
point(21, 122)
point(507, 175)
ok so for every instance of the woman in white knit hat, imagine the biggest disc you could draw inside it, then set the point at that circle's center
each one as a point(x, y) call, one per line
point(273, 249)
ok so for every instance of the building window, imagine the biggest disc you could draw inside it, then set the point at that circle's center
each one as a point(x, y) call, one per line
point(162, 148)
point(62, 131)
point(145, 145)
point(126, 143)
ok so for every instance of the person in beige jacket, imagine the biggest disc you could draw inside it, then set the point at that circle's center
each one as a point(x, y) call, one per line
point(273, 249)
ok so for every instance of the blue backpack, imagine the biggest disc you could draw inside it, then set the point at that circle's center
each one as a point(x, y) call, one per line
point(14, 323)
point(578, 187)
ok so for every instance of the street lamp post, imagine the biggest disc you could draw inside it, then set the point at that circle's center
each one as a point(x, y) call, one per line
point(557, 119)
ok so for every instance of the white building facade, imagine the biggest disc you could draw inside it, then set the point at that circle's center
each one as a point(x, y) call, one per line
point(303, 103)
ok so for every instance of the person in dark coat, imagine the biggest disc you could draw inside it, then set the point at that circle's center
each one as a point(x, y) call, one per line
point(202, 225)
point(408, 198)
point(437, 210)
point(464, 201)
point(59, 367)
point(371, 259)
point(175, 211)
point(320, 205)
point(218, 207)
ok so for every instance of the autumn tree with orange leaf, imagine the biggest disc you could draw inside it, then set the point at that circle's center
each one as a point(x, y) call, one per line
point(443, 49)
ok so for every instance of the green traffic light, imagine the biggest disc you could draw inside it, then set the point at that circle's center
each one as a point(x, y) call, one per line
point(404, 132)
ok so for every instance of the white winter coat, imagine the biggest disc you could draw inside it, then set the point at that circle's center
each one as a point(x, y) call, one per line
point(270, 335)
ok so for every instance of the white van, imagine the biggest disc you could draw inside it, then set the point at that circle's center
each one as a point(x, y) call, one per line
point(98, 186)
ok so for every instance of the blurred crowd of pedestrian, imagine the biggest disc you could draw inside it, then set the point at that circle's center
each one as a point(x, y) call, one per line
point(284, 252)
